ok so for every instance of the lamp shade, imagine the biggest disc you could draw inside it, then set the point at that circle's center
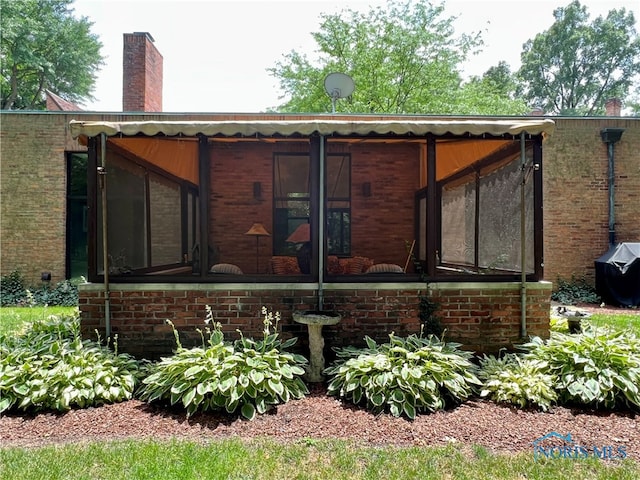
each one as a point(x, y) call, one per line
point(258, 230)
point(301, 234)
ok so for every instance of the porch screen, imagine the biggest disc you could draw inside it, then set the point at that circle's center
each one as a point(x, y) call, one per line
point(481, 218)
point(127, 217)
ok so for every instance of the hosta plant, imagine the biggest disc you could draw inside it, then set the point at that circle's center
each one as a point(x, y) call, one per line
point(50, 367)
point(518, 381)
point(246, 375)
point(405, 376)
point(599, 368)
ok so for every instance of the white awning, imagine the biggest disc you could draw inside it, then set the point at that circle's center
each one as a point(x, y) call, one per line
point(286, 128)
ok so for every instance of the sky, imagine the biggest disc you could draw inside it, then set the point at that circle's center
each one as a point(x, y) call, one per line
point(216, 53)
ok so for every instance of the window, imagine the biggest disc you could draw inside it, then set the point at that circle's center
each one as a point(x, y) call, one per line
point(291, 199)
point(77, 226)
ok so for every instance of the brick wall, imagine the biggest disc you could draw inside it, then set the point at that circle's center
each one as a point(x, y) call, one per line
point(33, 184)
point(576, 196)
point(141, 74)
point(483, 317)
point(386, 215)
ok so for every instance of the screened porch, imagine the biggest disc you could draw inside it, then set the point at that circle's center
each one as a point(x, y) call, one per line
point(315, 200)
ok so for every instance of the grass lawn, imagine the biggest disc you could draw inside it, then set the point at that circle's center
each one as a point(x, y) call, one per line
point(310, 459)
point(619, 321)
point(14, 319)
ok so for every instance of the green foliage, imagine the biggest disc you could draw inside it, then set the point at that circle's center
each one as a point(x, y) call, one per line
point(44, 46)
point(575, 66)
point(405, 376)
point(404, 57)
point(577, 290)
point(49, 367)
point(517, 381)
point(599, 368)
point(247, 375)
point(13, 291)
point(429, 321)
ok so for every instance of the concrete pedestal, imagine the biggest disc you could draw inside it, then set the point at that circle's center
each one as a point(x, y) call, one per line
point(315, 320)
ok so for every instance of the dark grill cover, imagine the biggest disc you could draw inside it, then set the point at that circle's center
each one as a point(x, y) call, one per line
point(618, 275)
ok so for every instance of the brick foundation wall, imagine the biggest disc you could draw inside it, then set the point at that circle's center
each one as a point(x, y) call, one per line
point(483, 317)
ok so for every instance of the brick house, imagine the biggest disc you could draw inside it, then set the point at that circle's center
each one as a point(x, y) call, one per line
point(183, 198)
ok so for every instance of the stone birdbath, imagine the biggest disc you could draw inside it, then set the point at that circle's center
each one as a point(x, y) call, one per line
point(315, 320)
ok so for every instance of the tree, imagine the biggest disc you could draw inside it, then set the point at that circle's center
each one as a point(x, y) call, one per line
point(575, 66)
point(43, 46)
point(403, 58)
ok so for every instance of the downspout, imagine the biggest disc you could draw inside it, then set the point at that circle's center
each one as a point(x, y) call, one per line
point(523, 242)
point(102, 172)
point(321, 227)
point(611, 136)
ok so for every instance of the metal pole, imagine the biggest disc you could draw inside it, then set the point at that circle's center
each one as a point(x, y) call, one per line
point(105, 251)
point(523, 242)
point(321, 227)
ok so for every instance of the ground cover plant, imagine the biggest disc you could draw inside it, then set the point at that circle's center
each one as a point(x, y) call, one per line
point(246, 375)
point(576, 290)
point(15, 292)
point(404, 376)
point(523, 382)
point(50, 367)
point(599, 368)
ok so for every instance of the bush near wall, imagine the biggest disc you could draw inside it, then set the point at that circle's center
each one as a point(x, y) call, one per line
point(14, 292)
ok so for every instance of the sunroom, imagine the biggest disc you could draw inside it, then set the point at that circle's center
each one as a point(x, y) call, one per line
point(316, 204)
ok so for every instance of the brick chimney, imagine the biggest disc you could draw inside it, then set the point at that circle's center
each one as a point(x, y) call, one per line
point(613, 107)
point(141, 74)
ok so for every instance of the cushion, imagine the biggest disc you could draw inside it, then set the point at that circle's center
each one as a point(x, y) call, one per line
point(226, 268)
point(385, 268)
point(357, 265)
point(334, 267)
point(285, 265)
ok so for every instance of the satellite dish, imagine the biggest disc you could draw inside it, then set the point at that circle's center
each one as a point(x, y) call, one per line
point(338, 85)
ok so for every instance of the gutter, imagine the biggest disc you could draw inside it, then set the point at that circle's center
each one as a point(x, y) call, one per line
point(610, 136)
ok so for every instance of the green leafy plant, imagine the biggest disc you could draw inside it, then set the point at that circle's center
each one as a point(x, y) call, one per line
point(599, 368)
point(249, 375)
point(50, 367)
point(14, 291)
point(512, 379)
point(405, 376)
point(577, 290)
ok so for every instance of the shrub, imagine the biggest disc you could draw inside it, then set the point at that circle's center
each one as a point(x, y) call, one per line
point(599, 368)
point(517, 381)
point(404, 376)
point(574, 291)
point(49, 367)
point(12, 289)
point(250, 375)
point(14, 292)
